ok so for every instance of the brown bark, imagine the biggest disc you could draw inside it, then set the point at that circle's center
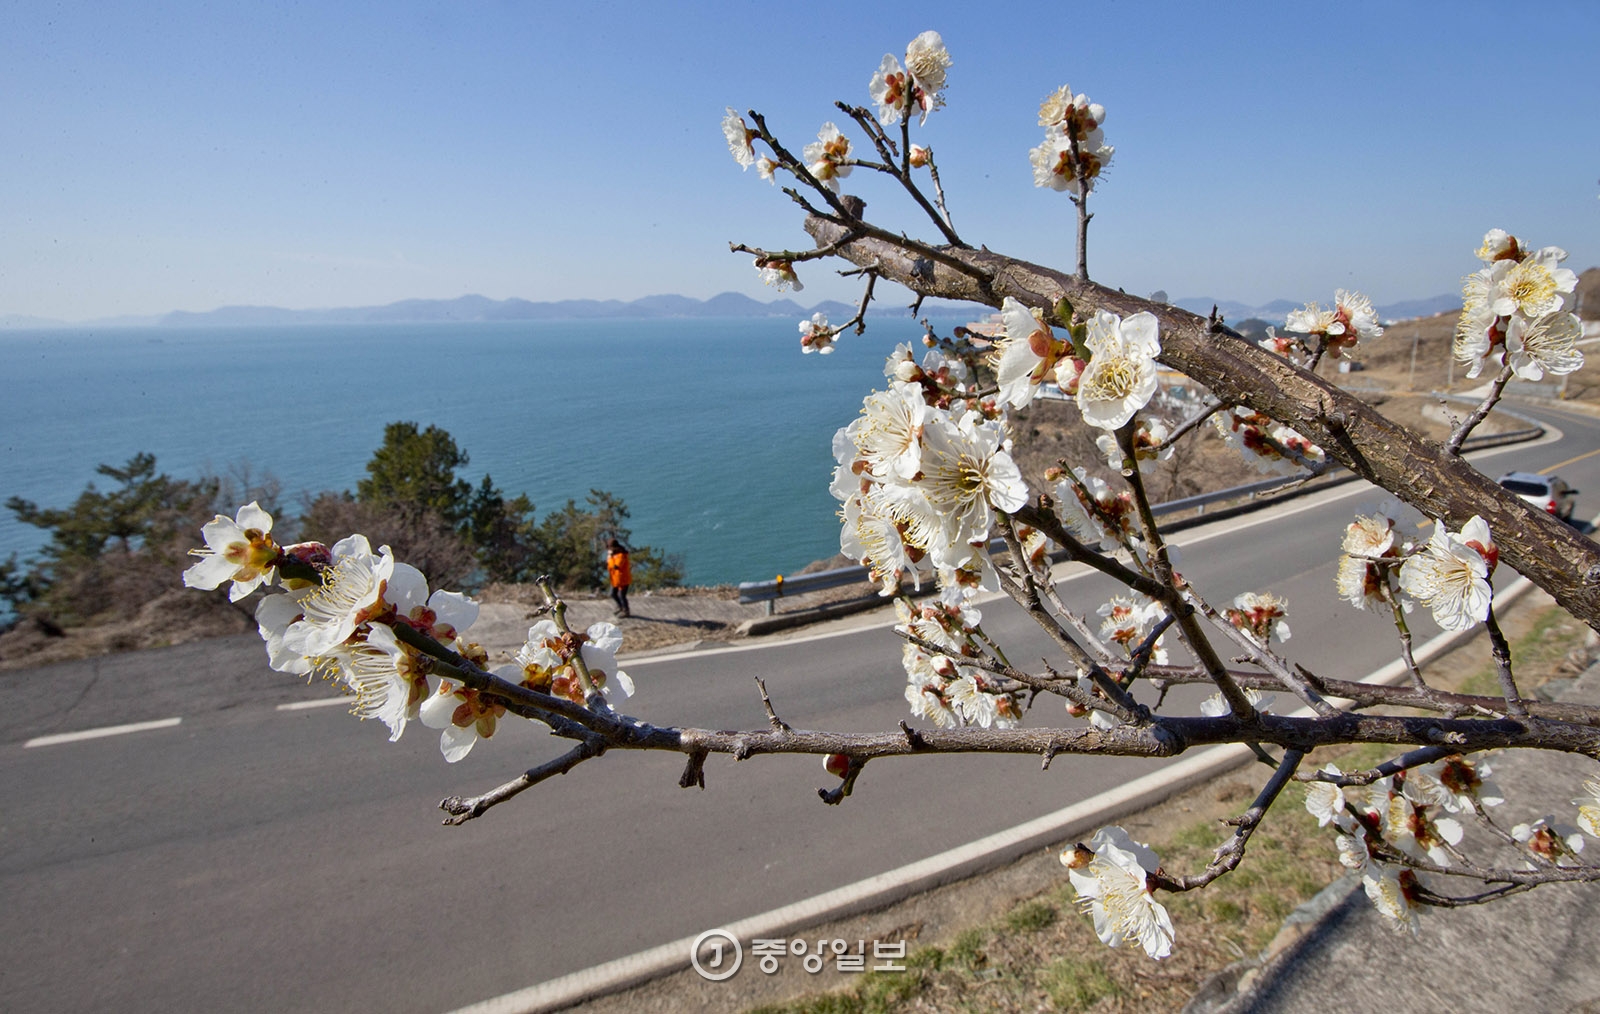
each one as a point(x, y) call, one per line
point(1419, 471)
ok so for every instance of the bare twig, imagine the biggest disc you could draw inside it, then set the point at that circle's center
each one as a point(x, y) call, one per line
point(1502, 665)
point(1229, 854)
point(462, 809)
point(1480, 413)
point(766, 702)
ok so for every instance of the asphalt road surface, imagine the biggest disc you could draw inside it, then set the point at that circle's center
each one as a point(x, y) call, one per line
point(259, 859)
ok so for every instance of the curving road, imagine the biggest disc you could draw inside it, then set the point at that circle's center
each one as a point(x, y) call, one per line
point(260, 859)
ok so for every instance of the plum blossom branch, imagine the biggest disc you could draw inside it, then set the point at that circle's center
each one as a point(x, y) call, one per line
point(1502, 665)
point(901, 172)
point(1231, 852)
point(1479, 414)
point(1265, 658)
point(462, 809)
point(1355, 779)
point(1120, 704)
point(1170, 594)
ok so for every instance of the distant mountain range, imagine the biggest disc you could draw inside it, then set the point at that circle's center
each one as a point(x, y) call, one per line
point(467, 309)
point(1275, 311)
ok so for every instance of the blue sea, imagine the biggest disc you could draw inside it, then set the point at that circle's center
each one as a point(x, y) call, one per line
point(716, 432)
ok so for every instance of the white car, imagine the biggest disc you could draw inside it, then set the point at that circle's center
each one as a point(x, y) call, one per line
point(1546, 492)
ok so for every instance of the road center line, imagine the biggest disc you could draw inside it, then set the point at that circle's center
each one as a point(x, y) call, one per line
point(100, 733)
point(321, 702)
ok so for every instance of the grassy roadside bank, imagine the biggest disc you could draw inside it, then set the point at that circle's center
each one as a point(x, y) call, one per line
point(1013, 940)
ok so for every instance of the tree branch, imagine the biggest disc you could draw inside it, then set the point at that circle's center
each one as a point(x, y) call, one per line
point(1418, 471)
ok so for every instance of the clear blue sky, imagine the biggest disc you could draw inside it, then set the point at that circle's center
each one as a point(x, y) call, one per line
point(187, 156)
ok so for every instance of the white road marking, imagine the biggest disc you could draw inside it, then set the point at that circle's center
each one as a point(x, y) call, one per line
point(321, 702)
point(101, 733)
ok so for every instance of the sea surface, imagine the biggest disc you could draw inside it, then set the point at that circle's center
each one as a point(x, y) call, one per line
point(715, 432)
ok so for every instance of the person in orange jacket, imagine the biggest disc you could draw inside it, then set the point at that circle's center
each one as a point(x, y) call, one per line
point(621, 572)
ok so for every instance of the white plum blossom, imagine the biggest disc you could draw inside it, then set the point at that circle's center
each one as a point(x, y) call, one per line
point(928, 61)
point(1350, 319)
point(463, 715)
point(1549, 840)
point(1093, 513)
point(940, 688)
point(1121, 376)
point(1450, 575)
point(545, 661)
point(739, 137)
point(1390, 891)
point(1149, 446)
point(1063, 107)
point(1499, 245)
point(1455, 783)
point(890, 90)
point(891, 430)
point(1531, 287)
point(816, 335)
point(1052, 161)
point(1265, 443)
point(1026, 358)
point(1589, 808)
point(872, 535)
point(928, 703)
point(388, 678)
point(351, 594)
point(1325, 801)
point(778, 273)
point(1261, 615)
point(897, 91)
point(238, 549)
point(1217, 706)
point(827, 158)
point(1126, 620)
point(1543, 345)
point(979, 704)
point(1389, 888)
point(443, 615)
point(1361, 578)
point(967, 473)
point(1112, 878)
point(1512, 311)
point(275, 614)
point(1419, 834)
point(1067, 118)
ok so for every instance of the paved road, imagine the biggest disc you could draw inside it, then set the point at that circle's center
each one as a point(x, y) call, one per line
point(259, 859)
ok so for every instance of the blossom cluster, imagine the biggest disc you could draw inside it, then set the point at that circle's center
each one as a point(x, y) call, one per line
point(943, 686)
point(1338, 328)
point(921, 474)
point(1514, 311)
point(898, 91)
point(1073, 153)
point(1267, 444)
point(353, 616)
point(1449, 574)
point(1112, 375)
